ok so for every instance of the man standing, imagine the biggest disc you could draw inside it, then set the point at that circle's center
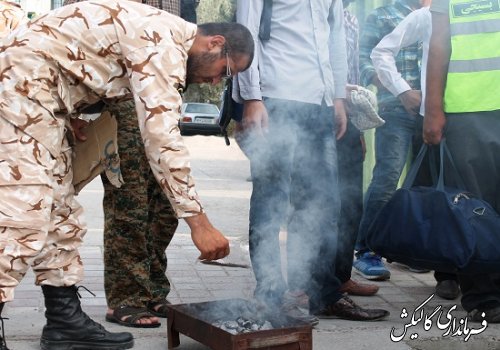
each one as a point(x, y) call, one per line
point(64, 61)
point(463, 97)
point(350, 150)
point(415, 28)
point(393, 139)
point(293, 97)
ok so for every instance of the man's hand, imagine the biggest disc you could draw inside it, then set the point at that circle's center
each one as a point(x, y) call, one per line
point(434, 122)
point(411, 100)
point(209, 241)
point(349, 89)
point(376, 81)
point(255, 118)
point(78, 125)
point(348, 92)
point(340, 118)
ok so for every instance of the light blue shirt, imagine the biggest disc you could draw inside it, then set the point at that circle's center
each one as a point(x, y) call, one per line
point(305, 58)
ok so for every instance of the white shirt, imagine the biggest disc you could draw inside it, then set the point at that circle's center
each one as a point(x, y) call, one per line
point(417, 26)
point(305, 58)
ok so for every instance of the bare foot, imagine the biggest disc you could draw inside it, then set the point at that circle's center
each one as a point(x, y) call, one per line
point(143, 320)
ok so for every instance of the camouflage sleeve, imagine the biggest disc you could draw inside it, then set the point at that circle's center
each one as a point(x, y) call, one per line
point(172, 6)
point(158, 106)
point(11, 17)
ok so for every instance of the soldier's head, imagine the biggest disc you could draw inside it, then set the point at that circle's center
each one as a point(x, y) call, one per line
point(219, 50)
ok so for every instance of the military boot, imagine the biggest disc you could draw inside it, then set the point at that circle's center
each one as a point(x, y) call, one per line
point(3, 344)
point(69, 328)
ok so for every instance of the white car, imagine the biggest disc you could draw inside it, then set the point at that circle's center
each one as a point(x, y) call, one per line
point(199, 118)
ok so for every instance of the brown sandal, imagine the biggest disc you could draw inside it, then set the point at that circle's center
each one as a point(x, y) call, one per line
point(134, 315)
point(159, 308)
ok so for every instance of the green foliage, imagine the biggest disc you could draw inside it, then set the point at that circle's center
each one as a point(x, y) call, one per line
point(216, 10)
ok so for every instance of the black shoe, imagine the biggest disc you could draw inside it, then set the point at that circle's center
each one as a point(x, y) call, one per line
point(346, 309)
point(447, 289)
point(490, 315)
point(296, 305)
point(68, 327)
point(3, 343)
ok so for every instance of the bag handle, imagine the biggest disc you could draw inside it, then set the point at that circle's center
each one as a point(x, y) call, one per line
point(444, 151)
point(226, 110)
point(433, 165)
point(412, 173)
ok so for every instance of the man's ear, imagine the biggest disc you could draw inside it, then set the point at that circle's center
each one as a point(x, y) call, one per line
point(216, 41)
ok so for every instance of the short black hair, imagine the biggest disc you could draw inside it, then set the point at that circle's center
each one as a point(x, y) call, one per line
point(239, 40)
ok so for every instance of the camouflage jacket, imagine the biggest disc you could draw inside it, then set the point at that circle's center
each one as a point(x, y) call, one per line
point(111, 50)
point(11, 16)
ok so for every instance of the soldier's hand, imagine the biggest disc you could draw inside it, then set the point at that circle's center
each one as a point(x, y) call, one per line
point(209, 241)
point(78, 125)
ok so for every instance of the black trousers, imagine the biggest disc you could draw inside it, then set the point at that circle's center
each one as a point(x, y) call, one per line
point(350, 165)
point(475, 146)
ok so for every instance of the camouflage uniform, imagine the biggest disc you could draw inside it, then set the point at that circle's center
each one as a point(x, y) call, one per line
point(52, 68)
point(134, 273)
point(139, 222)
point(11, 16)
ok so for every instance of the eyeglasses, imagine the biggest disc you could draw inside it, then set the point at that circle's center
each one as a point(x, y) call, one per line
point(228, 67)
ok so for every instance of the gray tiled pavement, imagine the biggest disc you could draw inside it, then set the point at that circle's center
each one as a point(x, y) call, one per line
point(220, 173)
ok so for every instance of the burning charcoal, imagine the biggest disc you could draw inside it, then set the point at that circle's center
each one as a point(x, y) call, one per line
point(231, 324)
point(244, 323)
point(266, 326)
point(229, 330)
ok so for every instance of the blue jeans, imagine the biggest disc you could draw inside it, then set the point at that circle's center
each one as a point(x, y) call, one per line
point(294, 175)
point(392, 144)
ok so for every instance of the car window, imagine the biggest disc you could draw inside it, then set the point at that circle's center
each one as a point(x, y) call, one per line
point(202, 108)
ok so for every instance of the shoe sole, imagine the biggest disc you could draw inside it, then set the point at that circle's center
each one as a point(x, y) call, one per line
point(409, 268)
point(374, 278)
point(76, 345)
point(360, 294)
point(112, 319)
point(447, 296)
point(348, 319)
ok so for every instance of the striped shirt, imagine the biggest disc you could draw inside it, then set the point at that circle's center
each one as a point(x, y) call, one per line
point(379, 23)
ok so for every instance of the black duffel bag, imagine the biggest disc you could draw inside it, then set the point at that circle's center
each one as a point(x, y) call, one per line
point(437, 228)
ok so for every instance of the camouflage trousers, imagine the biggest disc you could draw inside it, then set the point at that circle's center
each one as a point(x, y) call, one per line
point(139, 223)
point(41, 224)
